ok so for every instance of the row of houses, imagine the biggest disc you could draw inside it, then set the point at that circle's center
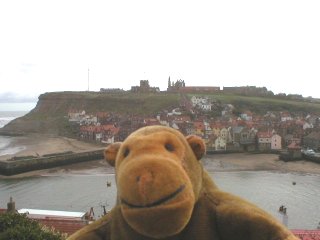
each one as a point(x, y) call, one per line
point(217, 136)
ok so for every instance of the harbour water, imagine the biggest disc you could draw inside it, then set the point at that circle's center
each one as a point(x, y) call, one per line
point(79, 192)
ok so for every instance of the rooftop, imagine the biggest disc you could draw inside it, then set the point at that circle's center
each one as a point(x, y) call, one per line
point(51, 213)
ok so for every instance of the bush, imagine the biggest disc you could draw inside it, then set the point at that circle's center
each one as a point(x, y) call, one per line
point(15, 226)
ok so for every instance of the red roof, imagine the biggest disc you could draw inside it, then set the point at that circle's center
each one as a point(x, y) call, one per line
point(151, 121)
point(294, 145)
point(182, 118)
point(99, 129)
point(285, 114)
point(111, 128)
point(264, 134)
point(102, 114)
point(198, 89)
point(198, 125)
point(64, 226)
point(307, 234)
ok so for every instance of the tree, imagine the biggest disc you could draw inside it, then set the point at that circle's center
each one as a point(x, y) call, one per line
point(16, 226)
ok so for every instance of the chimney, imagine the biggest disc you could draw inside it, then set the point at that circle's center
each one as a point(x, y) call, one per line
point(11, 206)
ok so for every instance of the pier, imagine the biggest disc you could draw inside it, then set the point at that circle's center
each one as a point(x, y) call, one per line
point(26, 164)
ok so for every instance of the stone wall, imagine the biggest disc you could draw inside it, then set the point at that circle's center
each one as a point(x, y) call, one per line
point(12, 167)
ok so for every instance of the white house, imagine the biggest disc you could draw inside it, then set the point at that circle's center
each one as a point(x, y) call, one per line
point(247, 116)
point(307, 125)
point(89, 120)
point(198, 100)
point(175, 126)
point(220, 144)
point(108, 139)
point(276, 142)
point(76, 116)
point(264, 140)
point(205, 106)
point(226, 135)
point(285, 116)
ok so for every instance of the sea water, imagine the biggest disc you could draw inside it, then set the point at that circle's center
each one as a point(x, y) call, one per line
point(8, 116)
point(5, 141)
point(268, 190)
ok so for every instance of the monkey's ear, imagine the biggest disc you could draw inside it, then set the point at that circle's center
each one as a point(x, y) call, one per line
point(110, 153)
point(197, 145)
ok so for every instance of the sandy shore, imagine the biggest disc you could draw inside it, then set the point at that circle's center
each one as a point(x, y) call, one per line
point(257, 162)
point(38, 145)
point(214, 163)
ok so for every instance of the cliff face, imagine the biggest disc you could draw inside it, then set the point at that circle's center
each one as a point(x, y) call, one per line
point(50, 116)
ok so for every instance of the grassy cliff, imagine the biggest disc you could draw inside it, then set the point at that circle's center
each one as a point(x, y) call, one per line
point(50, 116)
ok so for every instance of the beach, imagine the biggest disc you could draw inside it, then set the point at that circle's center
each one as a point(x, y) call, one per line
point(39, 145)
point(34, 145)
point(257, 162)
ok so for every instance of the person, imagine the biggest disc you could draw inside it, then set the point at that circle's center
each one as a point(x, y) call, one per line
point(281, 208)
point(284, 211)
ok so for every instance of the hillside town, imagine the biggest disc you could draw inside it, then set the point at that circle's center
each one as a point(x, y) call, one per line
point(222, 131)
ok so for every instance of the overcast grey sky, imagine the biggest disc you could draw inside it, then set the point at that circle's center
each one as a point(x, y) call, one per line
point(49, 45)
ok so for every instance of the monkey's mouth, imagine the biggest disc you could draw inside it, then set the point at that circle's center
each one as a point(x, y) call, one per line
point(157, 202)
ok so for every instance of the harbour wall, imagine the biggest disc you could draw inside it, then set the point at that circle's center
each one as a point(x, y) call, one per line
point(15, 166)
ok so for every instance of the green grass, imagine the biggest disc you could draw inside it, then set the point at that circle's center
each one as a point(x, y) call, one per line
point(59, 104)
point(261, 105)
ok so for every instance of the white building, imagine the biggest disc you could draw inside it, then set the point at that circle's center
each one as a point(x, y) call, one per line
point(276, 142)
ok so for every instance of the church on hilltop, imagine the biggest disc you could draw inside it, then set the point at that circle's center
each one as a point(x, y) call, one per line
point(144, 87)
point(180, 87)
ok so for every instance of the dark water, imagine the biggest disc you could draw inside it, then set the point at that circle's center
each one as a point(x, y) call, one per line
point(269, 190)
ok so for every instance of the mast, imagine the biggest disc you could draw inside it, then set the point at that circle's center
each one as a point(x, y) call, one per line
point(88, 79)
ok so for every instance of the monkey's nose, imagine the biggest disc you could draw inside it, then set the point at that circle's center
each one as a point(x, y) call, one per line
point(144, 181)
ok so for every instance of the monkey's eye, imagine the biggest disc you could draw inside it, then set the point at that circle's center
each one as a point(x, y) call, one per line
point(126, 152)
point(169, 147)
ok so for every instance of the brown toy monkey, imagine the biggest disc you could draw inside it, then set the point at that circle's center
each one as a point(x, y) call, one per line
point(164, 193)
